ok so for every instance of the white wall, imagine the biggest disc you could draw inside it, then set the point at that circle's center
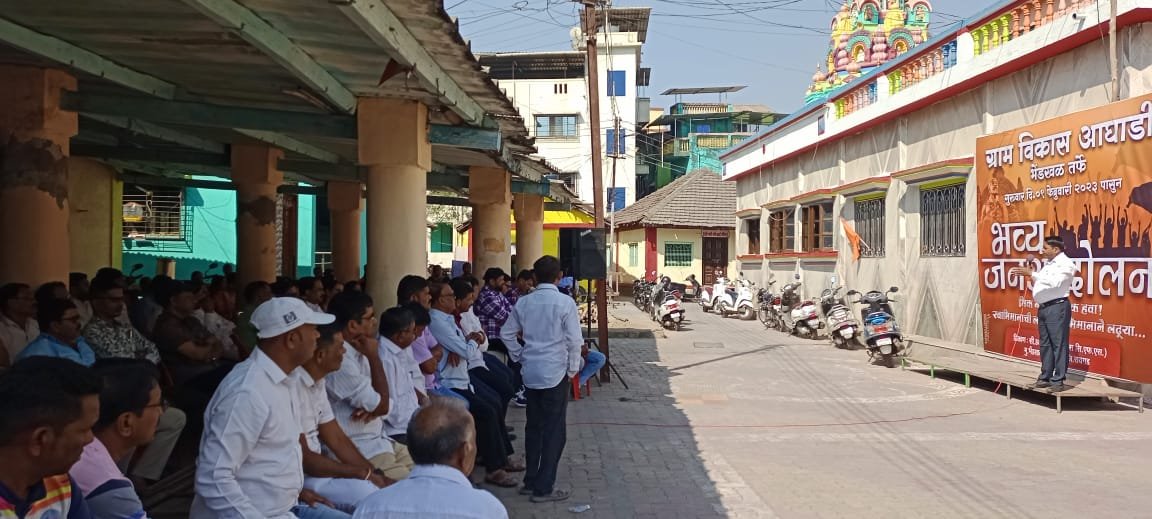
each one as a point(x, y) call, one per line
point(534, 97)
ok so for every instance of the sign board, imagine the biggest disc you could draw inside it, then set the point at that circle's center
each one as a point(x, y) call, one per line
point(713, 234)
point(1086, 177)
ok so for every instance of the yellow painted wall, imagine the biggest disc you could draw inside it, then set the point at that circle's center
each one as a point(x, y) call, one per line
point(95, 203)
point(630, 272)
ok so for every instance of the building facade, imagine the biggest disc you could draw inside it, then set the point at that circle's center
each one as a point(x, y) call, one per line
point(889, 157)
point(683, 229)
point(550, 90)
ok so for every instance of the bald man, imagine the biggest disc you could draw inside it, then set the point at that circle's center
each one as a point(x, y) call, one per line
point(442, 442)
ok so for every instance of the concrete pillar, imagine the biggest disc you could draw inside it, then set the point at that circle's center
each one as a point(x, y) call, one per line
point(256, 178)
point(96, 215)
point(34, 133)
point(345, 201)
point(529, 213)
point(489, 191)
point(393, 145)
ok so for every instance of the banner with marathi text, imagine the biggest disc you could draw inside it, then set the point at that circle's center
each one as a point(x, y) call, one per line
point(1086, 177)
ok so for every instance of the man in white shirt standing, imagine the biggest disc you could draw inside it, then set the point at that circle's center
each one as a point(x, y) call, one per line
point(442, 437)
point(550, 356)
point(250, 462)
point(1050, 287)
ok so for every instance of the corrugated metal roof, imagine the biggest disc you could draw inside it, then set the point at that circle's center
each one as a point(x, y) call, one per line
point(625, 19)
point(699, 199)
point(703, 90)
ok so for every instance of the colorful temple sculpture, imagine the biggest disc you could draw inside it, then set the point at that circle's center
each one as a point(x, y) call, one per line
point(865, 35)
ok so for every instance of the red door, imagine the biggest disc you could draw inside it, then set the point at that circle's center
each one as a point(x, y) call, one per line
point(715, 259)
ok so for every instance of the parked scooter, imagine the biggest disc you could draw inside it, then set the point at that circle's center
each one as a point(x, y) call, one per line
point(882, 335)
point(667, 309)
point(799, 317)
point(737, 299)
point(692, 288)
point(710, 294)
point(766, 306)
point(842, 328)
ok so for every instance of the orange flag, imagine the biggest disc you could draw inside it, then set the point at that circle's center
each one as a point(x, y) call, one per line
point(853, 238)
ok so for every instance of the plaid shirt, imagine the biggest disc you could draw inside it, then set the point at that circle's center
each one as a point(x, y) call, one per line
point(512, 295)
point(493, 309)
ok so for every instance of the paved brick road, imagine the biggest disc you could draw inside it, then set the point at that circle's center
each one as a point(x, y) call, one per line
point(727, 420)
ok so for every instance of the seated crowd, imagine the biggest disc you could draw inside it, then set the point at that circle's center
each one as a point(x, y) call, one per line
point(302, 398)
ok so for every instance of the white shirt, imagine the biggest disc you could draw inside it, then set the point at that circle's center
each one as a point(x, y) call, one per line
point(16, 337)
point(350, 389)
point(469, 323)
point(431, 492)
point(1054, 279)
point(314, 408)
point(550, 323)
point(250, 462)
point(404, 380)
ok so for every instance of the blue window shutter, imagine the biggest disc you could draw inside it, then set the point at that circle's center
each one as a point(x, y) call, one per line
point(610, 142)
point(618, 200)
point(621, 144)
point(616, 83)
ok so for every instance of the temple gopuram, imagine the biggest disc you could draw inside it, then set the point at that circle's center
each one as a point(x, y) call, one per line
point(865, 35)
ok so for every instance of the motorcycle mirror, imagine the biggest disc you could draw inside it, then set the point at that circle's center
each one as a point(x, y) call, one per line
point(832, 281)
point(796, 277)
point(852, 293)
point(893, 289)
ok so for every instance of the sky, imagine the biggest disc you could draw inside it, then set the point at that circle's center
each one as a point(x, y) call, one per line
point(770, 46)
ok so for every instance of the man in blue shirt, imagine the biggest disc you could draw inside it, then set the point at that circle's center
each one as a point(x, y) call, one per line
point(47, 409)
point(549, 357)
point(59, 334)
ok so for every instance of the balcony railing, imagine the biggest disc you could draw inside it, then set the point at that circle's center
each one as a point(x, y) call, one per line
point(1014, 21)
point(716, 141)
point(698, 108)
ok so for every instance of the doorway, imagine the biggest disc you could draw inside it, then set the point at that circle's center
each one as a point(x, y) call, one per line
point(715, 259)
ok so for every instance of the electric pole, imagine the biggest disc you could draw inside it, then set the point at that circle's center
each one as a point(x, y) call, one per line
point(1112, 51)
point(601, 292)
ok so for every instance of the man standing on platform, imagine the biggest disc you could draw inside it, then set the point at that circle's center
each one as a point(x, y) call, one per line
point(1050, 287)
point(550, 355)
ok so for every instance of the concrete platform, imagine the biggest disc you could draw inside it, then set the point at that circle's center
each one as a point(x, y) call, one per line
point(1006, 371)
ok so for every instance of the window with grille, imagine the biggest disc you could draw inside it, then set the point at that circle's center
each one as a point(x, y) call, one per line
point(442, 237)
point(156, 218)
point(816, 220)
point(782, 231)
point(752, 230)
point(942, 224)
point(870, 227)
point(633, 254)
point(677, 254)
point(557, 126)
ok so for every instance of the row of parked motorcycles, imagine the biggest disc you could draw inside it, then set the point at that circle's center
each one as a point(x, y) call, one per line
point(877, 330)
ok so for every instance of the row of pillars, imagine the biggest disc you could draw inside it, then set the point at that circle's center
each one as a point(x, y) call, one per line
point(393, 146)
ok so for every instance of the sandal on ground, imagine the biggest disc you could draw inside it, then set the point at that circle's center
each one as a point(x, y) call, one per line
point(502, 479)
point(515, 465)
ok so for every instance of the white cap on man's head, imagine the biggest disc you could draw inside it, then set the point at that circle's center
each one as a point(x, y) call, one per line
point(280, 315)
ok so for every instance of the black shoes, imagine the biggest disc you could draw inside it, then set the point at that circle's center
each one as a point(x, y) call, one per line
point(1040, 384)
point(1056, 388)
